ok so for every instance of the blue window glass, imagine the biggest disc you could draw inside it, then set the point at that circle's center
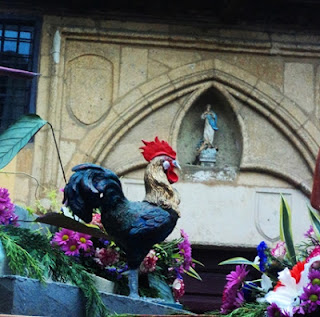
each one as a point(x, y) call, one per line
point(19, 42)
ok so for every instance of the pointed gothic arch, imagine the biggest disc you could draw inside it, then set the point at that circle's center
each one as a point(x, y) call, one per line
point(235, 84)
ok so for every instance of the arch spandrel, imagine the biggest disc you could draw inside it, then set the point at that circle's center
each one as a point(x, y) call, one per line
point(247, 91)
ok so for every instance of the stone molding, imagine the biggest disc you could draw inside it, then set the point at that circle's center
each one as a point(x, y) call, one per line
point(234, 82)
point(272, 104)
point(221, 39)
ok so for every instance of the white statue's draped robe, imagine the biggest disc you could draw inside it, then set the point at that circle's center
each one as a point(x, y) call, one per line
point(209, 127)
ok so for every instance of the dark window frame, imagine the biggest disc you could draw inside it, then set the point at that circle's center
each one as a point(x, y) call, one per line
point(36, 23)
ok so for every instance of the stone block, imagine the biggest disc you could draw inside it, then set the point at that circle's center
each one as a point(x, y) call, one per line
point(299, 84)
point(21, 295)
point(134, 68)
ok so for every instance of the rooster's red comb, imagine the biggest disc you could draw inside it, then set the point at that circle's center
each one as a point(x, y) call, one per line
point(156, 148)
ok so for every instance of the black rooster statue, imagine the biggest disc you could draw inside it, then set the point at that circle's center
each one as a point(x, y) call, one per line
point(134, 225)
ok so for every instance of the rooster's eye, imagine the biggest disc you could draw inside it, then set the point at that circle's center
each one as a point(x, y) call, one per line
point(166, 165)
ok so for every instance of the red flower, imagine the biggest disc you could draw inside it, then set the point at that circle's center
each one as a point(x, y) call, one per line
point(295, 272)
point(178, 288)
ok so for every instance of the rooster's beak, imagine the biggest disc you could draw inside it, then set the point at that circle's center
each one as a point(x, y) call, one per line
point(176, 164)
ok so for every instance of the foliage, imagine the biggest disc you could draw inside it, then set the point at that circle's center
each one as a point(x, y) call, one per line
point(290, 275)
point(17, 136)
point(160, 271)
point(31, 254)
point(50, 203)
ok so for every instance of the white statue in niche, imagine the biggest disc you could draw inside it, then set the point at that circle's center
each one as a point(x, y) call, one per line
point(210, 126)
point(207, 151)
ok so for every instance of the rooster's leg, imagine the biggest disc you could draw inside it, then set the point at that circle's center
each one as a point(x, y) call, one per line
point(133, 283)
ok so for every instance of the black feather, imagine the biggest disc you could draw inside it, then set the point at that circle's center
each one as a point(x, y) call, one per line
point(135, 226)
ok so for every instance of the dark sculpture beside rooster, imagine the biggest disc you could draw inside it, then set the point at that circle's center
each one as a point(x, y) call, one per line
point(134, 226)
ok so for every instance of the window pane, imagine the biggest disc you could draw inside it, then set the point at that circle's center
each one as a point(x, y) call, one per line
point(25, 35)
point(24, 48)
point(16, 52)
point(12, 32)
point(10, 46)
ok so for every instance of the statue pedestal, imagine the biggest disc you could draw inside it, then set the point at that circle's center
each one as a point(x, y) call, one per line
point(207, 157)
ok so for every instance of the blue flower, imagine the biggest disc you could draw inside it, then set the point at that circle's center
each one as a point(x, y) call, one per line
point(262, 255)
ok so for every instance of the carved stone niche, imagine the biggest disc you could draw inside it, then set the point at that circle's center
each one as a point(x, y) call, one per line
point(227, 139)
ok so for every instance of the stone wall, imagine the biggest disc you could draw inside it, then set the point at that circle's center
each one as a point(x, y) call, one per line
point(106, 85)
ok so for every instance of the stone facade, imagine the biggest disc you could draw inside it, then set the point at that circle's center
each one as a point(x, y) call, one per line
point(105, 85)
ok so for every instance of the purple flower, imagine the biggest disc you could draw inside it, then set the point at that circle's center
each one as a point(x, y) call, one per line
point(238, 276)
point(7, 215)
point(232, 296)
point(185, 250)
point(309, 233)
point(314, 277)
point(274, 311)
point(310, 298)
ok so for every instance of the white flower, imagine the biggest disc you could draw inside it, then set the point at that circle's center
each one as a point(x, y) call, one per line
point(266, 283)
point(287, 295)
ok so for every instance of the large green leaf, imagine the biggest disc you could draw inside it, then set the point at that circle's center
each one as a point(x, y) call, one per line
point(315, 220)
point(164, 291)
point(17, 136)
point(240, 260)
point(286, 230)
point(60, 220)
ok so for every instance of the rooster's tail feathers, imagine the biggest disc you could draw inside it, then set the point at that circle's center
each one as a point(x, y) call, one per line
point(89, 187)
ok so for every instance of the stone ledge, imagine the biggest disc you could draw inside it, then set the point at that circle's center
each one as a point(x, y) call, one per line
point(25, 296)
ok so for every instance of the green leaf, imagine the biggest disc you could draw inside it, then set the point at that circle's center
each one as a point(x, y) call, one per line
point(240, 260)
point(192, 272)
point(60, 220)
point(286, 230)
point(315, 220)
point(162, 287)
point(17, 136)
point(197, 262)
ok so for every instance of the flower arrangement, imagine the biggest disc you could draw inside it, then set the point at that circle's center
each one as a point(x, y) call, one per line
point(161, 272)
point(7, 215)
point(289, 283)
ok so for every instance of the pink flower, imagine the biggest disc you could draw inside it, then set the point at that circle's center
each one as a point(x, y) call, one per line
point(62, 237)
point(149, 263)
point(279, 251)
point(315, 252)
point(83, 240)
point(96, 221)
point(106, 257)
point(178, 288)
point(71, 248)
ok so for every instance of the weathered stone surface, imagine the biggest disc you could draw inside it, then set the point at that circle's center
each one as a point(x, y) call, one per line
point(21, 295)
point(149, 75)
point(88, 87)
point(133, 69)
point(299, 84)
